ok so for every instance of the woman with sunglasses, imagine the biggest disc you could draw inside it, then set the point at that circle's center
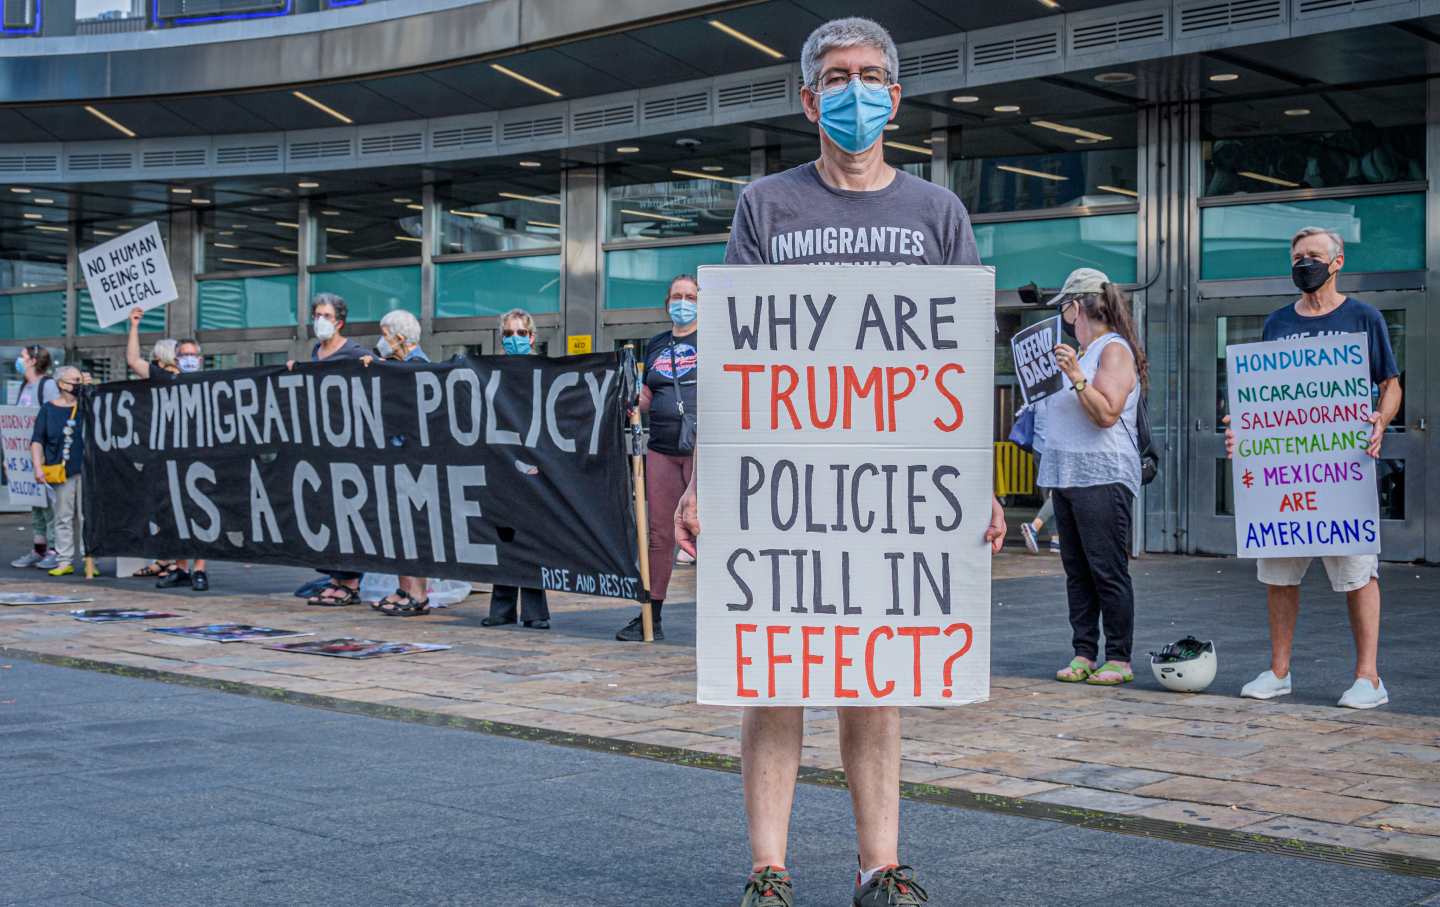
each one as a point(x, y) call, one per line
point(517, 338)
point(669, 395)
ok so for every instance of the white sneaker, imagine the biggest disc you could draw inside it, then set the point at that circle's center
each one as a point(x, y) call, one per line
point(1267, 686)
point(1362, 695)
point(683, 557)
point(50, 561)
point(1027, 532)
point(28, 559)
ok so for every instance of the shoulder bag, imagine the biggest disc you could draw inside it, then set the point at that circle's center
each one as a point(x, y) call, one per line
point(686, 442)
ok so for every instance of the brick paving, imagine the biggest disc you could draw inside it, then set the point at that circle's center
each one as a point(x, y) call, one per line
point(1293, 771)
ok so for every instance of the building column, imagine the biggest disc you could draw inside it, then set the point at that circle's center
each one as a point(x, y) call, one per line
point(304, 255)
point(940, 158)
point(583, 267)
point(1429, 414)
point(429, 232)
point(180, 315)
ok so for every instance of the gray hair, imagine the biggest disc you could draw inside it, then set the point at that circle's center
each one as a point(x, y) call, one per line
point(69, 373)
point(1337, 245)
point(840, 33)
point(164, 351)
point(403, 325)
point(521, 314)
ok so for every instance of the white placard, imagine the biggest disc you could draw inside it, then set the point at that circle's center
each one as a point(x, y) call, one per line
point(1303, 483)
point(845, 479)
point(128, 271)
point(17, 424)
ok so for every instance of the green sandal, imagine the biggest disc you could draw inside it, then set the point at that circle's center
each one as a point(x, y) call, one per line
point(1079, 669)
point(1110, 667)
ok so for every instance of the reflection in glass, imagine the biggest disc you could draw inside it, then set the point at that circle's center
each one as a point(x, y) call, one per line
point(370, 227)
point(493, 286)
point(249, 302)
point(262, 236)
point(691, 197)
point(497, 216)
point(1381, 233)
point(1046, 251)
point(640, 278)
point(1065, 179)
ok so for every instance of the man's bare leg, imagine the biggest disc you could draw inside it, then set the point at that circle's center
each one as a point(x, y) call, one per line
point(870, 749)
point(1365, 625)
point(769, 761)
point(1284, 606)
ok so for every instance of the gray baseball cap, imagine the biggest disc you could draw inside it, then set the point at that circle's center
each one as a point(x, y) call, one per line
point(1081, 282)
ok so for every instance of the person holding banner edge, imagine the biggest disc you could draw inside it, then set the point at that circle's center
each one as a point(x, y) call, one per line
point(1092, 468)
point(849, 69)
point(169, 359)
point(517, 338)
point(33, 366)
point(671, 366)
point(1317, 255)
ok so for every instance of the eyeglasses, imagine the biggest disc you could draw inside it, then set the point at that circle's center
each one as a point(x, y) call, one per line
point(520, 333)
point(870, 77)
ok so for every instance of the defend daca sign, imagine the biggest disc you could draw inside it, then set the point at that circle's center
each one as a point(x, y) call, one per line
point(1304, 484)
point(845, 479)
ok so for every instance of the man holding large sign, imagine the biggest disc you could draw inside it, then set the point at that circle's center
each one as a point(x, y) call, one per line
point(1298, 404)
point(801, 479)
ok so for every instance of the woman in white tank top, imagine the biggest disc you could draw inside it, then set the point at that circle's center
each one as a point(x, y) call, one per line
point(1092, 466)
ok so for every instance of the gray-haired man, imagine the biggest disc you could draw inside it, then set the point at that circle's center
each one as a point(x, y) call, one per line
point(1316, 256)
point(847, 207)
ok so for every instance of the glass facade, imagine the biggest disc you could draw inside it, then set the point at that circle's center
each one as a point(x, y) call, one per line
point(687, 197)
point(639, 278)
point(371, 292)
point(260, 236)
point(246, 302)
point(1046, 251)
point(27, 315)
point(1381, 233)
point(468, 289)
point(368, 227)
point(517, 214)
point(1042, 164)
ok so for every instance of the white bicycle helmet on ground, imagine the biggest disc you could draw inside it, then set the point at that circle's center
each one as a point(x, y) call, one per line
point(1186, 666)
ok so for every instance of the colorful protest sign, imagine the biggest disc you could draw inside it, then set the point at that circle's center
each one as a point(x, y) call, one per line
point(1033, 350)
point(17, 424)
point(228, 632)
point(1304, 484)
point(350, 647)
point(128, 271)
point(845, 482)
point(503, 469)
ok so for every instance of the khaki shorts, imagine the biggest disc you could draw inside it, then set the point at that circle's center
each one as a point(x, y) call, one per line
point(1347, 572)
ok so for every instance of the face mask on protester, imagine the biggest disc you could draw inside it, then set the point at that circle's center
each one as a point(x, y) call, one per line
point(855, 116)
point(682, 311)
point(516, 345)
point(19, 365)
point(385, 350)
point(1068, 327)
point(1310, 274)
point(324, 328)
point(188, 363)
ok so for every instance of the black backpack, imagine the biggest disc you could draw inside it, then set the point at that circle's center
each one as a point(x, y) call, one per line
point(1144, 444)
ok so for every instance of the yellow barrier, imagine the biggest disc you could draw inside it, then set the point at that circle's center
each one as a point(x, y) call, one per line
point(1014, 470)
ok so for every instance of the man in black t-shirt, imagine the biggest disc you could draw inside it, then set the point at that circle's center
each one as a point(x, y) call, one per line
point(1316, 256)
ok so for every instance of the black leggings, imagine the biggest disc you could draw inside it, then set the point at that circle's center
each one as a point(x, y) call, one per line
point(1094, 525)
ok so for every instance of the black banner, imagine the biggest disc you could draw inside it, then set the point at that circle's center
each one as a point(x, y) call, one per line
point(503, 469)
point(1033, 350)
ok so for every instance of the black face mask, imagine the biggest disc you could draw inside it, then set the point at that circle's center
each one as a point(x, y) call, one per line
point(1310, 274)
point(1067, 327)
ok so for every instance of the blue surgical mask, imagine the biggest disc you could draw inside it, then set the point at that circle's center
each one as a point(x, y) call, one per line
point(516, 345)
point(384, 348)
point(855, 116)
point(682, 311)
point(19, 365)
point(188, 363)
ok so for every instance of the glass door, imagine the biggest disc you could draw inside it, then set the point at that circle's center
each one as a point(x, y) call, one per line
point(1401, 472)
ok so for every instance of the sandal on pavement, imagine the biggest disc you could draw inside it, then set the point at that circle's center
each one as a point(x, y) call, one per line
point(1110, 674)
point(328, 599)
point(1079, 669)
point(404, 605)
point(158, 568)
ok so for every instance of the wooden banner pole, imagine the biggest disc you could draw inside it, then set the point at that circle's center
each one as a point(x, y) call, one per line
point(642, 524)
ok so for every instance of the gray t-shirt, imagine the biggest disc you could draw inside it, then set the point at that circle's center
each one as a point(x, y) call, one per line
point(795, 217)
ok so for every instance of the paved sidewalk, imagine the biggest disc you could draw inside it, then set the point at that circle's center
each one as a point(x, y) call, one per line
point(1300, 776)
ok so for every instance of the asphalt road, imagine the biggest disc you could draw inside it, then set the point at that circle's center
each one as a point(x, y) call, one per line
point(127, 792)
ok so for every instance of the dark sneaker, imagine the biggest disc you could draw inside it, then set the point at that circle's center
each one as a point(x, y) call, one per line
point(634, 632)
point(768, 887)
point(199, 581)
point(893, 886)
point(172, 579)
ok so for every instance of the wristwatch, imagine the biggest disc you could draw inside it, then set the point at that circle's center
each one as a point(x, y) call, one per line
point(1081, 385)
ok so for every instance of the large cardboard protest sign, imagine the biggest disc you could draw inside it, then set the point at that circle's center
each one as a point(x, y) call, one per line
point(1033, 351)
point(17, 425)
point(128, 271)
point(1304, 484)
point(845, 457)
point(503, 469)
